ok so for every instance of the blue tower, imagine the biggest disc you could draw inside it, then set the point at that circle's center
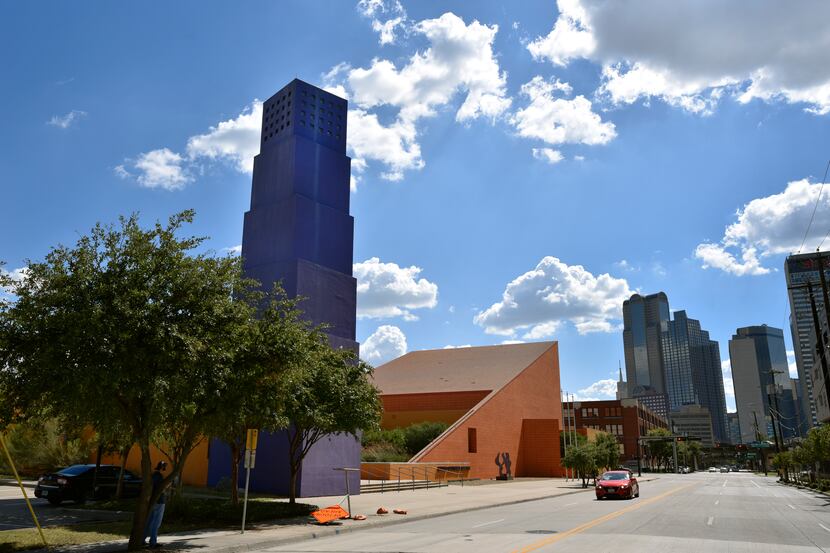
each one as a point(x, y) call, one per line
point(298, 231)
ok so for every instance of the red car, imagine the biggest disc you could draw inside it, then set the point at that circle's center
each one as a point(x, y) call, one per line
point(617, 483)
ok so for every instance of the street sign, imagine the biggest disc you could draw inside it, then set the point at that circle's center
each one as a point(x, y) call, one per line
point(251, 439)
point(250, 458)
point(751, 455)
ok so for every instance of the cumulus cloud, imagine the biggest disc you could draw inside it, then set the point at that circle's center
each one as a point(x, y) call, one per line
point(548, 155)
point(386, 17)
point(456, 347)
point(557, 120)
point(728, 387)
point(690, 53)
point(235, 140)
point(793, 367)
point(387, 290)
point(767, 226)
point(601, 389)
point(540, 300)
point(15, 276)
point(160, 168)
point(459, 62)
point(386, 343)
point(66, 121)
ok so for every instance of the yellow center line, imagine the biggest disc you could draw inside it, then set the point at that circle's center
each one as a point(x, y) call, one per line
point(590, 524)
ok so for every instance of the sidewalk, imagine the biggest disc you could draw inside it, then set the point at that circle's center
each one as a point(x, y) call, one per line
point(420, 504)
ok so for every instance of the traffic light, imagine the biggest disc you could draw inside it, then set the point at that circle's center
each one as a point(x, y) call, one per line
point(681, 438)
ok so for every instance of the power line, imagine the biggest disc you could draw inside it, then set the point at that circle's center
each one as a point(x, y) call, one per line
point(815, 207)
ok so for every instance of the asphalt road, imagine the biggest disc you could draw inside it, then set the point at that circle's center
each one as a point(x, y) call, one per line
point(735, 512)
point(14, 513)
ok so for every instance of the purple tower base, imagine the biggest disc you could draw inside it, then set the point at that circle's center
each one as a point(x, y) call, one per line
point(317, 477)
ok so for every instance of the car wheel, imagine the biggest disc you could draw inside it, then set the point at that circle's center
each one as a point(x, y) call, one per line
point(54, 500)
point(638, 492)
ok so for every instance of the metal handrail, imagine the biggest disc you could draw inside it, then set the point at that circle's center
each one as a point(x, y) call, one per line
point(412, 473)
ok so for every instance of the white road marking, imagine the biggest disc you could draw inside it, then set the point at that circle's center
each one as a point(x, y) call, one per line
point(724, 483)
point(491, 522)
point(823, 526)
point(790, 506)
point(570, 504)
point(755, 483)
point(710, 521)
point(718, 501)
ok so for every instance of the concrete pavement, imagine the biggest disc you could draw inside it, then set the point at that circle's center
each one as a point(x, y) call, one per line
point(420, 504)
point(684, 513)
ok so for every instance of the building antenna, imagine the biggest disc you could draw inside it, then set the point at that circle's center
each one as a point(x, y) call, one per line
point(815, 207)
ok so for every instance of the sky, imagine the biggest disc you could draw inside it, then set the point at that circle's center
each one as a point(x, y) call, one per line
point(519, 169)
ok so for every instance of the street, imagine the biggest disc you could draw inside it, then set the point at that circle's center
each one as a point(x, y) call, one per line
point(14, 513)
point(733, 512)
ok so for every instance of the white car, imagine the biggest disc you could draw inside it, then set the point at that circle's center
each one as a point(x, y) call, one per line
point(713, 469)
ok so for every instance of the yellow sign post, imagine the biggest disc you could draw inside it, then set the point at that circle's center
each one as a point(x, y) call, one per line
point(23, 489)
point(250, 462)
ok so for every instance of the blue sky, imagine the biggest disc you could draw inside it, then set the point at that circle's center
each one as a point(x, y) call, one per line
point(518, 168)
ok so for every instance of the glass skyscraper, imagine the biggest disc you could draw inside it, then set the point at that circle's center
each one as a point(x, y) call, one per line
point(693, 370)
point(762, 383)
point(643, 319)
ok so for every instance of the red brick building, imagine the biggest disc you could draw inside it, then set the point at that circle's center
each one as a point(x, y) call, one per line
point(627, 419)
point(497, 400)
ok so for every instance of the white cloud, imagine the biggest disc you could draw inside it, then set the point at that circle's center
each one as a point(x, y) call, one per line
point(377, 10)
point(548, 155)
point(540, 300)
point(456, 347)
point(233, 250)
point(602, 389)
point(728, 387)
point(386, 343)
point(160, 169)
point(15, 275)
point(388, 290)
point(557, 120)
point(792, 365)
point(690, 53)
point(767, 226)
point(458, 62)
point(235, 140)
point(66, 121)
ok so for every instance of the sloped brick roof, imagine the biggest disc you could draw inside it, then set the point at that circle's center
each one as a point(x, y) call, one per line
point(457, 370)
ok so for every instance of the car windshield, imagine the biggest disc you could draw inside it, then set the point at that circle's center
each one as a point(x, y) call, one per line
point(74, 470)
point(614, 476)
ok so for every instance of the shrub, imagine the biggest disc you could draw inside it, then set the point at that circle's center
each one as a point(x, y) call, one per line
point(418, 436)
point(384, 452)
point(38, 447)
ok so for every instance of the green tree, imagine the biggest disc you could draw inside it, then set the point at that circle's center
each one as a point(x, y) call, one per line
point(659, 451)
point(419, 435)
point(607, 451)
point(328, 392)
point(582, 458)
point(131, 328)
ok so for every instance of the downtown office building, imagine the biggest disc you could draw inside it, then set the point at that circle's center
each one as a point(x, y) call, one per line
point(672, 362)
point(801, 270)
point(766, 397)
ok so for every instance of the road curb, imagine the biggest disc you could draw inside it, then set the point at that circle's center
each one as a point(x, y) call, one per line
point(29, 485)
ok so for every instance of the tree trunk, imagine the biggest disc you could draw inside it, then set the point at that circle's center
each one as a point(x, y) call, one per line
point(235, 449)
point(142, 504)
point(119, 487)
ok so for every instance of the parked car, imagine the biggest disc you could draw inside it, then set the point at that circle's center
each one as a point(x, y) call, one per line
point(713, 469)
point(75, 483)
point(617, 483)
point(724, 469)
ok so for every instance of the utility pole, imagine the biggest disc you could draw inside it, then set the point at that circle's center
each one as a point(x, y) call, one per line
point(565, 434)
point(758, 439)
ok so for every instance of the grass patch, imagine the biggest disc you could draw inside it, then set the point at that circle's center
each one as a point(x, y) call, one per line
point(180, 515)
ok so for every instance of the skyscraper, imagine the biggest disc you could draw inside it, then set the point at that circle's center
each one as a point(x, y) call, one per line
point(693, 370)
point(298, 232)
point(643, 319)
point(763, 386)
point(799, 270)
